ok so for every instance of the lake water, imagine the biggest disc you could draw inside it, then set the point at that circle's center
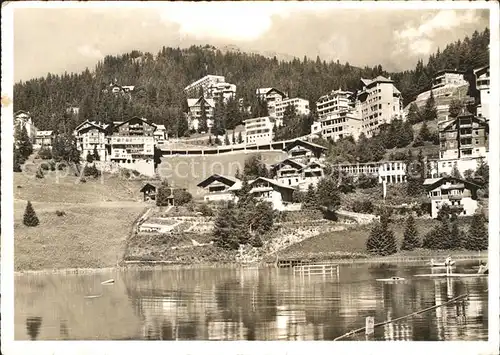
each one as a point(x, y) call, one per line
point(248, 304)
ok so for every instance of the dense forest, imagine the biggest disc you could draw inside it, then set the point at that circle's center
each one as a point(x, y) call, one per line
point(159, 81)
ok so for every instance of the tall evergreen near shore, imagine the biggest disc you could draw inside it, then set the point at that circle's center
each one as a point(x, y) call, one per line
point(30, 219)
point(410, 238)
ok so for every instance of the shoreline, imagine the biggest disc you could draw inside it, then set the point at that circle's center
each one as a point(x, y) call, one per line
point(131, 265)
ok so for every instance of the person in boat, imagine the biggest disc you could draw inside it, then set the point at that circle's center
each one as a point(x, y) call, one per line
point(448, 263)
point(483, 268)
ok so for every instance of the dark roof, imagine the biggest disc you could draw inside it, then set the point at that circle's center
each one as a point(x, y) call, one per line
point(135, 118)
point(150, 184)
point(431, 184)
point(228, 180)
point(289, 161)
point(304, 144)
point(272, 182)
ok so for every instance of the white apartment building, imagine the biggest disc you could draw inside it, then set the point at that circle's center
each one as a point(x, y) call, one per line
point(224, 90)
point(272, 96)
point(132, 145)
point(448, 78)
point(301, 108)
point(195, 108)
point(444, 167)
point(377, 103)
point(160, 133)
point(193, 89)
point(43, 139)
point(24, 119)
point(337, 100)
point(90, 136)
point(258, 130)
point(483, 85)
point(339, 124)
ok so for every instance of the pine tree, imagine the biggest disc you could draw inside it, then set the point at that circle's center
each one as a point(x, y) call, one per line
point(23, 142)
point(182, 125)
point(240, 138)
point(30, 219)
point(381, 240)
point(424, 132)
point(328, 194)
point(226, 229)
point(233, 139)
point(456, 236)
point(477, 236)
point(414, 114)
point(163, 193)
point(226, 140)
point(310, 198)
point(410, 237)
point(18, 160)
point(210, 140)
point(455, 108)
point(203, 120)
point(430, 110)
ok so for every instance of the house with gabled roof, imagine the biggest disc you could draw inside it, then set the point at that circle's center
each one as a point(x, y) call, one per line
point(217, 187)
point(44, 139)
point(271, 96)
point(279, 195)
point(459, 194)
point(304, 150)
point(288, 172)
point(91, 136)
point(195, 109)
point(150, 190)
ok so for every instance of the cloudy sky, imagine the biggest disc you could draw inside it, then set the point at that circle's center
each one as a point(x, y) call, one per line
point(57, 40)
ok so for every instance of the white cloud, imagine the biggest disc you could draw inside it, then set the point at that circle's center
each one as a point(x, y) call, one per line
point(89, 51)
point(443, 20)
point(230, 20)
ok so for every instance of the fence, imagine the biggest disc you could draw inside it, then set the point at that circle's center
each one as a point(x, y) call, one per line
point(316, 269)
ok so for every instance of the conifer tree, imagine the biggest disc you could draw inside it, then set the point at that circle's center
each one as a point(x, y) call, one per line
point(23, 142)
point(210, 140)
point(18, 160)
point(414, 114)
point(96, 154)
point(226, 140)
point(455, 172)
point(163, 192)
point(30, 219)
point(456, 236)
point(381, 240)
point(410, 237)
point(310, 198)
point(233, 138)
point(477, 235)
point(430, 110)
point(226, 229)
point(240, 138)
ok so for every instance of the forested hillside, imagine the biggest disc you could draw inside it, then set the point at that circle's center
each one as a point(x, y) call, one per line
point(159, 80)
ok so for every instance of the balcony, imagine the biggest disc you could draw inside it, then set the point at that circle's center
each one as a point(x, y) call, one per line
point(455, 197)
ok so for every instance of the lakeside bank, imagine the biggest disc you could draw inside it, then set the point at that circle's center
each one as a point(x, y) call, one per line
point(167, 265)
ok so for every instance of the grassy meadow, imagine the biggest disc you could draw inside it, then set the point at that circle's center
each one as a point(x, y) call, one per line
point(98, 216)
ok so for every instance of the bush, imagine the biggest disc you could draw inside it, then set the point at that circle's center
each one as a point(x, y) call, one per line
point(30, 219)
point(91, 170)
point(181, 197)
point(45, 166)
point(60, 213)
point(477, 235)
point(206, 210)
point(45, 153)
point(39, 173)
point(362, 206)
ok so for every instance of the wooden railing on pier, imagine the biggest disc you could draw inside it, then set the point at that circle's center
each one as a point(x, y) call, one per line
point(316, 269)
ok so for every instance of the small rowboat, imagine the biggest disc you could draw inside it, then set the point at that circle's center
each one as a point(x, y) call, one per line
point(108, 282)
point(440, 264)
point(394, 278)
point(93, 296)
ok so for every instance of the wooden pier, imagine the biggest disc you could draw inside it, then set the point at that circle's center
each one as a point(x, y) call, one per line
point(316, 269)
point(290, 263)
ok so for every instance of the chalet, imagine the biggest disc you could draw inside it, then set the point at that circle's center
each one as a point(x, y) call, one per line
point(288, 172)
point(160, 134)
point(272, 97)
point(91, 136)
point(217, 187)
point(196, 106)
point(279, 195)
point(311, 174)
point(304, 151)
point(460, 195)
point(44, 139)
point(150, 189)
